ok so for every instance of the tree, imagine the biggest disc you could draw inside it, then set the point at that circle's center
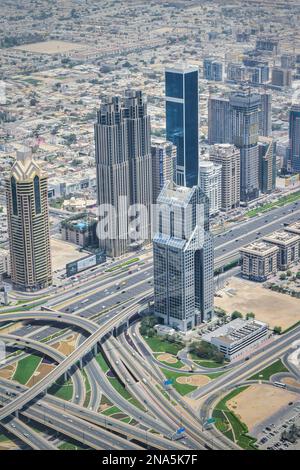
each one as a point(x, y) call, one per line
point(289, 273)
point(236, 314)
point(298, 275)
point(277, 330)
point(220, 313)
point(250, 315)
point(282, 276)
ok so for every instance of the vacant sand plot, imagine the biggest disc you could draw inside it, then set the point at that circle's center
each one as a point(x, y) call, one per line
point(196, 380)
point(66, 347)
point(258, 402)
point(291, 381)
point(51, 47)
point(271, 307)
point(8, 371)
point(42, 371)
point(169, 358)
point(63, 252)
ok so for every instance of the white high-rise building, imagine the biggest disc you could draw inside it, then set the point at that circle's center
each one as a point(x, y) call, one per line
point(163, 164)
point(228, 156)
point(210, 181)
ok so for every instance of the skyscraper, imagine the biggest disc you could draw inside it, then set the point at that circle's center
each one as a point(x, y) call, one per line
point(163, 164)
point(281, 77)
point(245, 128)
point(265, 114)
point(124, 167)
point(182, 121)
point(183, 257)
point(229, 157)
point(219, 123)
point(28, 224)
point(212, 70)
point(267, 165)
point(294, 136)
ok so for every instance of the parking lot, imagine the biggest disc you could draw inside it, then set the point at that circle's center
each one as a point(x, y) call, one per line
point(269, 436)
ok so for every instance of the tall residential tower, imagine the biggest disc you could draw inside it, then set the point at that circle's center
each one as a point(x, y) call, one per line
point(124, 168)
point(28, 224)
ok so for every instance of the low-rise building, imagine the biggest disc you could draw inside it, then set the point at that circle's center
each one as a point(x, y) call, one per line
point(259, 261)
point(80, 231)
point(237, 337)
point(294, 228)
point(288, 244)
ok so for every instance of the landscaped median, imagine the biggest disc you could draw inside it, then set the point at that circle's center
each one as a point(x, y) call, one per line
point(26, 368)
point(230, 425)
point(266, 373)
point(186, 383)
point(282, 201)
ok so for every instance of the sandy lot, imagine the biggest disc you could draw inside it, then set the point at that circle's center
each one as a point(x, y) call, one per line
point(63, 252)
point(8, 371)
point(51, 47)
point(291, 381)
point(196, 380)
point(258, 402)
point(169, 358)
point(66, 347)
point(271, 307)
point(39, 374)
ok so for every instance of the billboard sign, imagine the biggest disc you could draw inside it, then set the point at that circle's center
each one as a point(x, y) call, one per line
point(85, 263)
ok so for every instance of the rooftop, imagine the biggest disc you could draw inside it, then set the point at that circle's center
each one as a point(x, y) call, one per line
point(259, 248)
point(234, 331)
point(282, 237)
point(294, 228)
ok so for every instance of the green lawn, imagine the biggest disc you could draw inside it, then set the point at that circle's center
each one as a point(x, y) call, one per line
point(71, 444)
point(123, 265)
point(183, 389)
point(281, 202)
point(266, 373)
point(102, 362)
point(229, 424)
point(176, 365)
point(158, 344)
point(204, 362)
point(111, 411)
point(26, 367)
point(87, 389)
point(62, 389)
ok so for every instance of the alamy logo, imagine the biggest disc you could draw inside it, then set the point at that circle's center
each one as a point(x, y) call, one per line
point(139, 223)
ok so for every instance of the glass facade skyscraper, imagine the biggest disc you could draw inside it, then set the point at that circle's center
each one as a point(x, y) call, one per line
point(183, 257)
point(294, 132)
point(182, 121)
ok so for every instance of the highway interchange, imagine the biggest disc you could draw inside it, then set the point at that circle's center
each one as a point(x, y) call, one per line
point(100, 305)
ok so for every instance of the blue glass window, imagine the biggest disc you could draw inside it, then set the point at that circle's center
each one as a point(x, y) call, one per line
point(191, 128)
point(174, 85)
point(37, 194)
point(14, 195)
point(174, 117)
